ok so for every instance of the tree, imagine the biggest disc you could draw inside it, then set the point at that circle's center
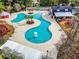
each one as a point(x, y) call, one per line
point(2, 7)
point(7, 53)
point(46, 2)
point(8, 8)
point(6, 31)
point(2, 33)
point(17, 7)
point(28, 3)
point(70, 49)
point(30, 21)
point(64, 1)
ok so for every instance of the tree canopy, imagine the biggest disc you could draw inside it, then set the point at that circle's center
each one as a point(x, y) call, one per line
point(46, 2)
point(2, 7)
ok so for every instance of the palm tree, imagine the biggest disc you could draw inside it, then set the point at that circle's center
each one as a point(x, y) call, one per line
point(30, 21)
point(31, 17)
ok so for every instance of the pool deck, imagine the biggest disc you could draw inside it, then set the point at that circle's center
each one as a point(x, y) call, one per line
point(18, 36)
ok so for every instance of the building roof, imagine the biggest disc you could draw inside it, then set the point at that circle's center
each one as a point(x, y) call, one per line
point(61, 14)
point(61, 9)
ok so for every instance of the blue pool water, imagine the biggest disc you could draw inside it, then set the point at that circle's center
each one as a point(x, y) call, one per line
point(43, 32)
point(19, 18)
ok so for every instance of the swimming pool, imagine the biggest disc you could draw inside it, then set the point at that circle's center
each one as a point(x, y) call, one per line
point(44, 34)
point(19, 18)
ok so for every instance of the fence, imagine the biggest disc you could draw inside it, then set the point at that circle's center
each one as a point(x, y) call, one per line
point(38, 8)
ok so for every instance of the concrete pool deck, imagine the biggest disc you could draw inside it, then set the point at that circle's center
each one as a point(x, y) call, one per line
point(19, 35)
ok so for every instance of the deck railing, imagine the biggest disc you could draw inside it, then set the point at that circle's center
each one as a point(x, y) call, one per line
point(38, 8)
